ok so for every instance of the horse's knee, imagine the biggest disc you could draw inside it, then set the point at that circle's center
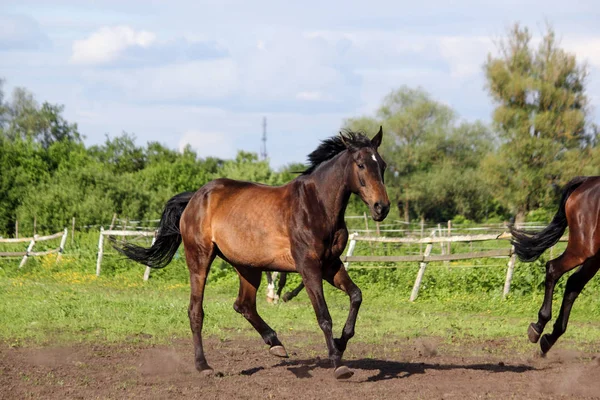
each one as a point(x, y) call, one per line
point(240, 307)
point(356, 297)
point(326, 325)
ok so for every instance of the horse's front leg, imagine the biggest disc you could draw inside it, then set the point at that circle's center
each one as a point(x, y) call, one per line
point(337, 275)
point(312, 276)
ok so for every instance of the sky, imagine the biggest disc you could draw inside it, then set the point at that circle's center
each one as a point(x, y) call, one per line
point(205, 73)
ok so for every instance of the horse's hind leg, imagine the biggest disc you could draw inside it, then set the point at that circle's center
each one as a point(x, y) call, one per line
point(290, 295)
point(270, 287)
point(198, 260)
point(281, 283)
point(575, 285)
point(245, 304)
point(554, 270)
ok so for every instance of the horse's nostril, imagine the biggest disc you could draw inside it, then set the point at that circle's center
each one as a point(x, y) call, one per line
point(377, 207)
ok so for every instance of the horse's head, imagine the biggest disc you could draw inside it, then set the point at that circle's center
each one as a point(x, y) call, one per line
point(366, 177)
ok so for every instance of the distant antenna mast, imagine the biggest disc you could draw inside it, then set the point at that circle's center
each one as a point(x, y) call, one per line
point(263, 147)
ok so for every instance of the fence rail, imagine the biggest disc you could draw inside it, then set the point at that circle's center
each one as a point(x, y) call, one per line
point(32, 241)
point(426, 257)
point(115, 232)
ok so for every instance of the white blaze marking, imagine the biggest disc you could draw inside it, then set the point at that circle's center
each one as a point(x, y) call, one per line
point(373, 157)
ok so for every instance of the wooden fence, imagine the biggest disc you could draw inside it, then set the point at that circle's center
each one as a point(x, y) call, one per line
point(124, 233)
point(32, 241)
point(426, 257)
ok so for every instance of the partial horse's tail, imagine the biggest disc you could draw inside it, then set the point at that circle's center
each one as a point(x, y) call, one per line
point(529, 245)
point(168, 238)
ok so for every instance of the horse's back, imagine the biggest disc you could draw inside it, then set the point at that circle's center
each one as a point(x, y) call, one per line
point(582, 210)
point(247, 221)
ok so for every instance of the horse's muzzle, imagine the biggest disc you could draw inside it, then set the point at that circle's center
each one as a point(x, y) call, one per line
point(380, 210)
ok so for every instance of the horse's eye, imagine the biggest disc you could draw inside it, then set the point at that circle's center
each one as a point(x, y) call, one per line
point(361, 166)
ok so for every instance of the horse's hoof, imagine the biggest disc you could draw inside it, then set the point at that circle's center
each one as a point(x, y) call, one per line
point(342, 372)
point(533, 334)
point(286, 297)
point(545, 345)
point(278, 351)
point(207, 372)
point(270, 299)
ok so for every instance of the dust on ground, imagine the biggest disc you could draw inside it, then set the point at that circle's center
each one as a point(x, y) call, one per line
point(402, 369)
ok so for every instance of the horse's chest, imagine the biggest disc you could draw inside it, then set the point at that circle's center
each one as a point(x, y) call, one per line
point(337, 245)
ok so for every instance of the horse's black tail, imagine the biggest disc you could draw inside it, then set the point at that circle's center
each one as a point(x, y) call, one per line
point(168, 238)
point(530, 245)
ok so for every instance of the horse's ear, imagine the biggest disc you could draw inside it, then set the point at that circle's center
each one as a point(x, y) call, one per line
point(343, 139)
point(376, 141)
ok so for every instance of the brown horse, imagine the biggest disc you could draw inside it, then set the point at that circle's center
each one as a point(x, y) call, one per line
point(580, 211)
point(295, 227)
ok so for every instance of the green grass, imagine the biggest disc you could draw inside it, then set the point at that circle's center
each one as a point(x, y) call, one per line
point(47, 303)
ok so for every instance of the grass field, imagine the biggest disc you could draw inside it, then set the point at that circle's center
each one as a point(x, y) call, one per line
point(47, 303)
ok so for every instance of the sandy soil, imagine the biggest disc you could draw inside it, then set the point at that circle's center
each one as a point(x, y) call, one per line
point(412, 369)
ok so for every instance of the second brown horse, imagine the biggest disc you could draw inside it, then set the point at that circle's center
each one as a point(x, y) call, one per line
point(295, 227)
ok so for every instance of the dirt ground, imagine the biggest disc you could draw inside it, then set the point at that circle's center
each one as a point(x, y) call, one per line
point(409, 369)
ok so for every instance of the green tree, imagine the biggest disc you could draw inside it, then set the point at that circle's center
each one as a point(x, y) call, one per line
point(541, 115)
point(121, 154)
point(45, 124)
point(429, 155)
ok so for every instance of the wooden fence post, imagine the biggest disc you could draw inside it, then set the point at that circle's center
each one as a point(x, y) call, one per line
point(72, 231)
point(368, 231)
point(61, 249)
point(17, 229)
point(422, 266)
point(509, 272)
point(112, 222)
point(449, 234)
point(422, 233)
point(147, 272)
point(100, 250)
point(441, 234)
point(34, 224)
point(29, 248)
point(351, 247)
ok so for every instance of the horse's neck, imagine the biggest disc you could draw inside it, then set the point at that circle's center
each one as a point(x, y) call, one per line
point(332, 187)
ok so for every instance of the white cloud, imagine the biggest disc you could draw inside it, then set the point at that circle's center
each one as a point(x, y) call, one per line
point(208, 144)
point(197, 80)
point(19, 32)
point(310, 96)
point(586, 49)
point(465, 54)
point(108, 43)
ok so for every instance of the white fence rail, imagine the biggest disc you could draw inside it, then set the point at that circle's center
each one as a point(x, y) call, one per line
point(123, 233)
point(426, 257)
point(32, 241)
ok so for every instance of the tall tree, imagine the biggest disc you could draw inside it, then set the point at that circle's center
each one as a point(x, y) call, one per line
point(428, 154)
point(541, 111)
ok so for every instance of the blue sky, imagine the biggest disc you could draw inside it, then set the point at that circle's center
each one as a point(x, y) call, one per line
point(206, 72)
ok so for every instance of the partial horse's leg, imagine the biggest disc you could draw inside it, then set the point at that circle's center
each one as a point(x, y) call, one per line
point(270, 287)
point(198, 260)
point(290, 295)
point(281, 283)
point(338, 277)
point(245, 304)
point(313, 279)
point(575, 285)
point(554, 270)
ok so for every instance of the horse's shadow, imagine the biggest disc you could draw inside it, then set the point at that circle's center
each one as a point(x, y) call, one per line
point(394, 369)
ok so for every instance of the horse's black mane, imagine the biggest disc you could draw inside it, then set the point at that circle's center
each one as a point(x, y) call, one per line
point(331, 147)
